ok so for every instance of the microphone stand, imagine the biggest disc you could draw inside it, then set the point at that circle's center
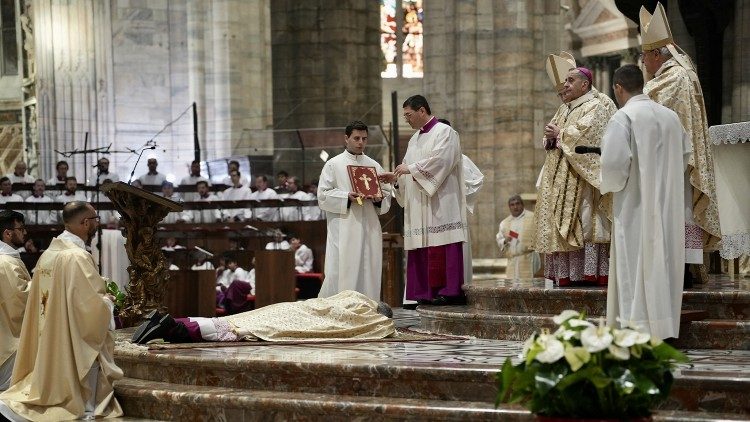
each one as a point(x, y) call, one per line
point(140, 154)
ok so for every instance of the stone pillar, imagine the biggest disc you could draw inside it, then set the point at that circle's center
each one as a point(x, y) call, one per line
point(484, 71)
point(74, 79)
point(326, 63)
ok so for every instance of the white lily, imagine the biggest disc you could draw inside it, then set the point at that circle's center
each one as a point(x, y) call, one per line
point(552, 349)
point(628, 337)
point(575, 322)
point(619, 353)
point(564, 316)
point(596, 339)
point(565, 334)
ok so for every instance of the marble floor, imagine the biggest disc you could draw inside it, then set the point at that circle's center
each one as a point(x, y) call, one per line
point(468, 354)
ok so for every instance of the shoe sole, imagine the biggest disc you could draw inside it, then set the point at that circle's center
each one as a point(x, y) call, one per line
point(139, 333)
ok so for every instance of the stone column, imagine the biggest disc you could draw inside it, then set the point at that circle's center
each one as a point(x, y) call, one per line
point(484, 71)
point(74, 69)
point(326, 63)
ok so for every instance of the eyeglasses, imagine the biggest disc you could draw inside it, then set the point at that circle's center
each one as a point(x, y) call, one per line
point(96, 217)
point(22, 228)
point(408, 115)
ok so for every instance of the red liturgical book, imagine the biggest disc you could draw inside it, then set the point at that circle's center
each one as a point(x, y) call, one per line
point(365, 180)
point(513, 234)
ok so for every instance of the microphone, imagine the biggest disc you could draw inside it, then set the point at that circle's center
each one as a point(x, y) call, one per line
point(140, 154)
point(582, 149)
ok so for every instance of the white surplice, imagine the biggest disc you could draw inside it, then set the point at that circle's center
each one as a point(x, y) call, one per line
point(354, 246)
point(303, 259)
point(645, 152)
point(433, 195)
point(241, 193)
point(265, 213)
point(34, 217)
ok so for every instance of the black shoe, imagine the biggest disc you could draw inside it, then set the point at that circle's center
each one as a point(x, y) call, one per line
point(153, 330)
point(149, 322)
point(440, 300)
point(410, 306)
point(424, 302)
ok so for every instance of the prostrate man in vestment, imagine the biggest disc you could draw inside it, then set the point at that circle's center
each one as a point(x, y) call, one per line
point(514, 238)
point(64, 365)
point(344, 316)
point(571, 216)
point(675, 85)
point(14, 289)
point(354, 245)
point(645, 152)
point(430, 186)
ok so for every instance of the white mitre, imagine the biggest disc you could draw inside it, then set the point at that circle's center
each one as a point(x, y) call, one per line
point(558, 67)
point(655, 33)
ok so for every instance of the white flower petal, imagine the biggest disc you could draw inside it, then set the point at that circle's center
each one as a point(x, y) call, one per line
point(619, 353)
point(596, 339)
point(579, 323)
point(553, 350)
point(564, 316)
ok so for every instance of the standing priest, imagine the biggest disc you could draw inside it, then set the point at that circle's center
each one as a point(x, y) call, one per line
point(354, 246)
point(675, 85)
point(645, 152)
point(430, 186)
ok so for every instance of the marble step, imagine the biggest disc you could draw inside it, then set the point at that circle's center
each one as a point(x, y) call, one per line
point(535, 296)
point(165, 401)
point(469, 321)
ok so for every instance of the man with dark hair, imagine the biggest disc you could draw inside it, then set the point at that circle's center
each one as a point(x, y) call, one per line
point(14, 289)
point(263, 192)
point(103, 173)
point(231, 166)
point(303, 256)
point(70, 194)
point(354, 245)
point(430, 186)
point(64, 365)
point(675, 85)
point(572, 216)
point(152, 177)
point(191, 179)
point(281, 178)
point(61, 170)
point(19, 175)
point(205, 215)
point(236, 192)
point(6, 192)
point(38, 197)
point(645, 153)
point(294, 191)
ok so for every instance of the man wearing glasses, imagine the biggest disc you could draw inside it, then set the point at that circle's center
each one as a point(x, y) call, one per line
point(14, 289)
point(65, 342)
point(675, 85)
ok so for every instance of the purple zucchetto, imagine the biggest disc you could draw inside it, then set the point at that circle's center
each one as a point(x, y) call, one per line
point(587, 73)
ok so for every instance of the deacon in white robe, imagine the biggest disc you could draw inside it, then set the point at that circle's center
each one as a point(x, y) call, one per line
point(354, 245)
point(206, 215)
point(65, 365)
point(193, 178)
point(236, 192)
point(14, 290)
point(431, 188)
point(645, 153)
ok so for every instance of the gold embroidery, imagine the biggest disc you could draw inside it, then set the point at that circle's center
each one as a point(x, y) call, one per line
point(45, 296)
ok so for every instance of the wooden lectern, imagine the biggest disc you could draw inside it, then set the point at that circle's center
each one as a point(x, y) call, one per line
point(274, 277)
point(140, 212)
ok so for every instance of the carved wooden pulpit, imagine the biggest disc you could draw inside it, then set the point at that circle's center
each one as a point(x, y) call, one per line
point(140, 212)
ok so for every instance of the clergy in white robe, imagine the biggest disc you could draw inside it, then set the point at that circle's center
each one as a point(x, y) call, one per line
point(103, 174)
point(193, 178)
point(264, 192)
point(70, 194)
point(65, 365)
point(303, 256)
point(236, 192)
point(431, 188)
point(354, 244)
point(645, 153)
point(301, 213)
point(152, 177)
point(206, 215)
point(514, 238)
point(34, 217)
point(14, 290)
point(19, 175)
point(6, 192)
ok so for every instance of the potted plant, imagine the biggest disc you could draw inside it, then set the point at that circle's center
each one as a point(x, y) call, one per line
point(587, 371)
point(119, 299)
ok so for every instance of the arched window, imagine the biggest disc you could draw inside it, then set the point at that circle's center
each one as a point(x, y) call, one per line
point(401, 38)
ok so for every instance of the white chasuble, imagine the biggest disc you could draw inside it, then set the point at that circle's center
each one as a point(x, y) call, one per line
point(14, 289)
point(354, 246)
point(645, 153)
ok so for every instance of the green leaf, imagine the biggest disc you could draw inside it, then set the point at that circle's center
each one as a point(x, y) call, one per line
point(666, 352)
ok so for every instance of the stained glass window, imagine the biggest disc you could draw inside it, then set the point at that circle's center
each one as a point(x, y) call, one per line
point(404, 25)
point(412, 46)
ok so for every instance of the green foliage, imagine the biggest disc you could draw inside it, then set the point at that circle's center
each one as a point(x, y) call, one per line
point(624, 374)
point(115, 291)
